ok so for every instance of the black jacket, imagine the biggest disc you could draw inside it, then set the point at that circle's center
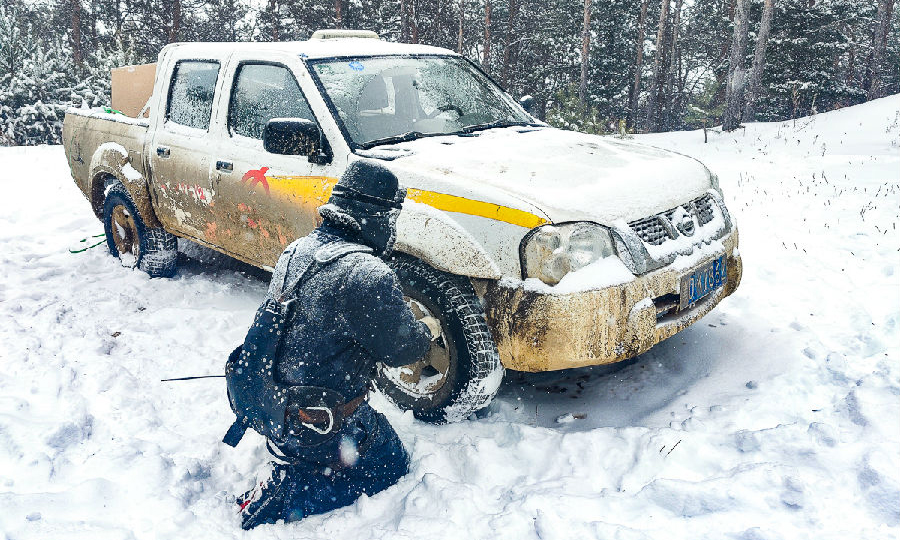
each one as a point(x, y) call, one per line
point(349, 314)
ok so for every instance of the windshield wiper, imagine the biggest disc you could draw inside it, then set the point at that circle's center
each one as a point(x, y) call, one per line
point(405, 137)
point(413, 135)
point(497, 124)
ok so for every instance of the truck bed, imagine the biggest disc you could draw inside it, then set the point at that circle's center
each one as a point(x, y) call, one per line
point(85, 131)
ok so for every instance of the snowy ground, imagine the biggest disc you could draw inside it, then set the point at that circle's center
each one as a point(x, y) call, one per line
point(776, 416)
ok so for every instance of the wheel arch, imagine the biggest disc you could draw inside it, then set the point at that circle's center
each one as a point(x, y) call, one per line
point(111, 160)
point(436, 239)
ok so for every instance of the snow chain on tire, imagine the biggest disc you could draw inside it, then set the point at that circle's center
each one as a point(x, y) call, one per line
point(475, 370)
point(157, 248)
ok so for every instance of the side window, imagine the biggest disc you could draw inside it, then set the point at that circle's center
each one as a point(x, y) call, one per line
point(262, 92)
point(191, 94)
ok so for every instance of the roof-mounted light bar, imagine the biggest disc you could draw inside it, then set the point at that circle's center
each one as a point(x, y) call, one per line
point(336, 33)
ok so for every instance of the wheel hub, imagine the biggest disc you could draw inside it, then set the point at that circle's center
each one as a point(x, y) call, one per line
point(125, 235)
point(428, 375)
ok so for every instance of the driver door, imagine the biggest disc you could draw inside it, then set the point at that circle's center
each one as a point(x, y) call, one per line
point(264, 201)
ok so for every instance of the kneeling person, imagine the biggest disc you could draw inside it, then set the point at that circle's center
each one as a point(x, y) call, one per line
point(348, 314)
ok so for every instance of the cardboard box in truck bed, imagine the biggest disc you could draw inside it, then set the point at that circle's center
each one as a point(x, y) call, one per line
point(132, 87)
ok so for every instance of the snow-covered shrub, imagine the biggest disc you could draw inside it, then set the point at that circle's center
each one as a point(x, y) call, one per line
point(39, 81)
point(566, 111)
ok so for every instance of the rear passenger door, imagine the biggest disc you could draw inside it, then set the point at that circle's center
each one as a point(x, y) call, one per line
point(179, 151)
point(264, 201)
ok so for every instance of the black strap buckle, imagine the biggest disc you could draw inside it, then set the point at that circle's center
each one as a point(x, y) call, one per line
point(235, 433)
point(313, 427)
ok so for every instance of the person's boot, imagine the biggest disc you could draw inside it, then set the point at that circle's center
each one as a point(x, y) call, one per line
point(264, 502)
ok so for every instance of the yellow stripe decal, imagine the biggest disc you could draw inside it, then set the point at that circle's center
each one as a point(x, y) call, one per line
point(452, 203)
point(318, 189)
point(302, 189)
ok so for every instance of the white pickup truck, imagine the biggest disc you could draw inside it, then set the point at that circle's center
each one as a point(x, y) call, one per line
point(538, 249)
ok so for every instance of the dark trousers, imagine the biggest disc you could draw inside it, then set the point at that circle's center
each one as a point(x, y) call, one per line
point(365, 457)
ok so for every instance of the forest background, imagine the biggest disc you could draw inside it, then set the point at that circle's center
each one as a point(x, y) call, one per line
point(594, 66)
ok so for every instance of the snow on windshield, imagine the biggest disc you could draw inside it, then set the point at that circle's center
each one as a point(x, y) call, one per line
point(383, 97)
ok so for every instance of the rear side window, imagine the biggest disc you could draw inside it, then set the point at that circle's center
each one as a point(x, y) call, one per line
point(191, 95)
point(262, 92)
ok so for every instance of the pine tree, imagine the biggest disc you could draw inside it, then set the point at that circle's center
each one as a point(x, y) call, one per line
point(807, 49)
point(34, 102)
point(612, 57)
point(874, 68)
point(548, 60)
point(223, 20)
point(17, 35)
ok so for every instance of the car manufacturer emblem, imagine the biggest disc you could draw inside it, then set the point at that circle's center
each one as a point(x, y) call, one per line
point(686, 224)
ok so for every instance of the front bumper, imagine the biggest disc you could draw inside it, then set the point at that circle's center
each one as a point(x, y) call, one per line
point(537, 331)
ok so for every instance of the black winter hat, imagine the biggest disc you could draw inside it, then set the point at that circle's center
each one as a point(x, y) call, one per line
point(366, 201)
point(369, 182)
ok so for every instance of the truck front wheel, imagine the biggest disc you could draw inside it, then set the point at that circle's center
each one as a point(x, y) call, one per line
point(153, 250)
point(462, 371)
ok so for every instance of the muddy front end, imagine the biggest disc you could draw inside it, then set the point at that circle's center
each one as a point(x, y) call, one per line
point(678, 275)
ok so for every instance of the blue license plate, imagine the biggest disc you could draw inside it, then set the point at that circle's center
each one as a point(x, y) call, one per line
point(702, 281)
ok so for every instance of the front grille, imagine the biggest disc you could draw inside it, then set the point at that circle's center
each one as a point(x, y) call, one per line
point(703, 206)
point(650, 230)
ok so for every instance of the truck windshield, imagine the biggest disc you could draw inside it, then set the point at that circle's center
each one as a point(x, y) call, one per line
point(389, 99)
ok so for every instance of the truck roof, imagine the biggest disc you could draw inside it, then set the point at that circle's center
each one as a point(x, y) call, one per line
point(313, 48)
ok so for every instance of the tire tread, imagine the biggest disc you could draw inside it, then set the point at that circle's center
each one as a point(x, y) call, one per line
point(158, 247)
point(465, 305)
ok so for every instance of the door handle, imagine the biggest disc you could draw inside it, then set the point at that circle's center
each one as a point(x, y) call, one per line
point(163, 151)
point(224, 166)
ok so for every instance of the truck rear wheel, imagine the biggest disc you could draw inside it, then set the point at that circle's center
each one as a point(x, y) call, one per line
point(153, 250)
point(462, 371)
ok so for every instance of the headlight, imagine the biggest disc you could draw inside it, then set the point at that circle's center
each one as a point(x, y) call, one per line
point(552, 251)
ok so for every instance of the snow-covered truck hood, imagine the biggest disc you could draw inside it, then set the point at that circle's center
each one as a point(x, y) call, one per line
point(567, 176)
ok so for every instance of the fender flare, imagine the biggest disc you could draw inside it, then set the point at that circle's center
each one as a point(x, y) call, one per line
point(111, 159)
point(434, 237)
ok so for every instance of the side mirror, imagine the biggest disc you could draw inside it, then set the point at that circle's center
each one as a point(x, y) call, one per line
point(527, 102)
point(295, 137)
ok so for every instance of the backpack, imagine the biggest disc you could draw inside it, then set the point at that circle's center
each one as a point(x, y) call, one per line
point(256, 398)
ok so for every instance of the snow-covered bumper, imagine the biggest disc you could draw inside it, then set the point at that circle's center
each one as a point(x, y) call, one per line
point(541, 331)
